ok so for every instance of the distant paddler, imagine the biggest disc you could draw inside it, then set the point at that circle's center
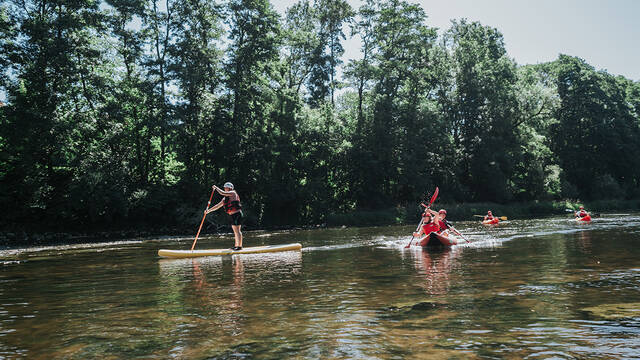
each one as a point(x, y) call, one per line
point(489, 219)
point(581, 213)
point(233, 208)
point(489, 215)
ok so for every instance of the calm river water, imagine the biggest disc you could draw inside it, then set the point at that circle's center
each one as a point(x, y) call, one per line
point(525, 289)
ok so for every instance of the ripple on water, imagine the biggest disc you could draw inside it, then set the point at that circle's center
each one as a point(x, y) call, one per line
point(527, 289)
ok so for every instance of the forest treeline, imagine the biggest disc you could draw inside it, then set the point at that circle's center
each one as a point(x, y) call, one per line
point(125, 112)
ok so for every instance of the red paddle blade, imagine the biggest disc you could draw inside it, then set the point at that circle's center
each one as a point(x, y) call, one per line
point(435, 195)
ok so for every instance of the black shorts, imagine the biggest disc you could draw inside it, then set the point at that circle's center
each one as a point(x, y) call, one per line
point(236, 218)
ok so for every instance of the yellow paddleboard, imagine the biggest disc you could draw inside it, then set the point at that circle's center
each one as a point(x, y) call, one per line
point(219, 252)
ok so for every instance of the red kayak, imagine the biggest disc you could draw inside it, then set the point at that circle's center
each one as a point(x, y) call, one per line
point(493, 221)
point(440, 240)
point(584, 219)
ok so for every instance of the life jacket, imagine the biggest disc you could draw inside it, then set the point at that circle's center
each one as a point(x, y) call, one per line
point(430, 227)
point(582, 213)
point(443, 225)
point(232, 203)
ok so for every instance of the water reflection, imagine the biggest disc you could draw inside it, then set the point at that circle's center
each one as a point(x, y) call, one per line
point(267, 264)
point(584, 242)
point(435, 268)
point(216, 300)
point(528, 289)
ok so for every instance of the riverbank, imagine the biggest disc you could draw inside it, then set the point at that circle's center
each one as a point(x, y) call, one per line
point(392, 216)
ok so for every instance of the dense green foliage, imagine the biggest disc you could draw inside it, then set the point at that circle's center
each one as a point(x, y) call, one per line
point(124, 113)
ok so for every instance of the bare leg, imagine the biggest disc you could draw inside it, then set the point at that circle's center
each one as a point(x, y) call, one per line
point(237, 234)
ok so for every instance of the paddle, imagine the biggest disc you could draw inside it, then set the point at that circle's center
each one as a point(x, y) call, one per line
point(499, 217)
point(412, 236)
point(573, 212)
point(433, 198)
point(456, 231)
point(202, 222)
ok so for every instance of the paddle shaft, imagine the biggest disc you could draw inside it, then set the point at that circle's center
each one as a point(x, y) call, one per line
point(456, 231)
point(499, 217)
point(417, 229)
point(202, 222)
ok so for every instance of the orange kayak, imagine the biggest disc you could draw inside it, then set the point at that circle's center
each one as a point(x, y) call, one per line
point(493, 221)
point(584, 219)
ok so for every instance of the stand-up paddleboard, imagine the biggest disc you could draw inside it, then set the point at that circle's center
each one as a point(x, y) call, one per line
point(219, 252)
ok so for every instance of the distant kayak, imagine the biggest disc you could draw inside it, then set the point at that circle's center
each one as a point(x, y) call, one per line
point(584, 219)
point(440, 240)
point(220, 252)
point(493, 221)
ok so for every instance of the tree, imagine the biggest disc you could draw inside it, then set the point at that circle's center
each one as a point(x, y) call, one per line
point(159, 24)
point(331, 15)
point(595, 122)
point(482, 109)
point(253, 53)
point(536, 172)
point(53, 89)
point(195, 64)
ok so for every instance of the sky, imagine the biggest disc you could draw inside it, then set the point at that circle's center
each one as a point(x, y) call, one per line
point(605, 33)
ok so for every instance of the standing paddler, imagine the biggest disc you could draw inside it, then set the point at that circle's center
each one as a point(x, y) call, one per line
point(233, 208)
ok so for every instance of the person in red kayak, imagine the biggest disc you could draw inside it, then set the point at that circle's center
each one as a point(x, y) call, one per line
point(582, 213)
point(489, 216)
point(429, 224)
point(444, 224)
point(439, 218)
point(233, 208)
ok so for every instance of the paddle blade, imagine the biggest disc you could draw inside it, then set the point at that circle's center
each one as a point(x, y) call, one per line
point(434, 196)
point(503, 218)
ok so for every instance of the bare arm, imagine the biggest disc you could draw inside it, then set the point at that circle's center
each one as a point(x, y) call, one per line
point(214, 207)
point(222, 192)
point(433, 213)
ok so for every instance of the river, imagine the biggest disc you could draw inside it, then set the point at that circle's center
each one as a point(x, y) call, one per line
point(529, 289)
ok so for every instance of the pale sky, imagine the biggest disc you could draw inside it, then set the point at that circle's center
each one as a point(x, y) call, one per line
point(605, 33)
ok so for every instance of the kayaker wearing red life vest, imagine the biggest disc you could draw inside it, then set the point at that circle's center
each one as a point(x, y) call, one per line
point(233, 208)
point(489, 215)
point(439, 218)
point(442, 214)
point(582, 213)
point(429, 225)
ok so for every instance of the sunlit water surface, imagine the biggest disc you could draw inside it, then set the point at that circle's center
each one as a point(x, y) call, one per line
point(525, 289)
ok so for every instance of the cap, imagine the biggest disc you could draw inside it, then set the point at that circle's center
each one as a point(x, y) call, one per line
point(442, 211)
point(229, 185)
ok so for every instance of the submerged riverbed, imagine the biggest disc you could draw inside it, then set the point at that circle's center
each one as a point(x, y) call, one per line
point(525, 289)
